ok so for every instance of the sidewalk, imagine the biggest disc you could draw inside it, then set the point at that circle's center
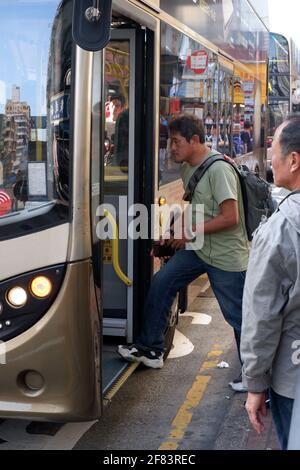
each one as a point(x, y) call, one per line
point(237, 433)
point(266, 441)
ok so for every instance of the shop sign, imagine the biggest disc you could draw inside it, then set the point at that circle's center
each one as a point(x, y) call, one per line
point(198, 62)
point(5, 202)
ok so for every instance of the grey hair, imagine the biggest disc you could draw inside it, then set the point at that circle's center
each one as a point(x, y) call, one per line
point(289, 138)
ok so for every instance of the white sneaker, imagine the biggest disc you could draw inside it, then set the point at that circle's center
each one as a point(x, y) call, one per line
point(135, 354)
point(237, 385)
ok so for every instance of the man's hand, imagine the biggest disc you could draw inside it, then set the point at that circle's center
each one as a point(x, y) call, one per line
point(256, 406)
point(161, 242)
point(178, 244)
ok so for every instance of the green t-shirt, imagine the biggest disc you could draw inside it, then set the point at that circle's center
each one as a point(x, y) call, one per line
point(227, 249)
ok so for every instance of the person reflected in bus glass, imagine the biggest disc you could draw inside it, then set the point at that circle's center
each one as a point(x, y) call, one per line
point(223, 255)
point(223, 145)
point(208, 122)
point(163, 144)
point(114, 107)
point(237, 141)
point(208, 136)
point(246, 136)
point(211, 139)
point(117, 131)
point(121, 140)
point(271, 303)
point(117, 105)
point(219, 143)
point(20, 189)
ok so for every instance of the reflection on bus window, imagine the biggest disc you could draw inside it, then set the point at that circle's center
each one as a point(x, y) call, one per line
point(117, 80)
point(279, 68)
point(188, 85)
point(34, 106)
point(278, 54)
point(283, 66)
point(192, 81)
point(279, 86)
point(246, 114)
point(277, 113)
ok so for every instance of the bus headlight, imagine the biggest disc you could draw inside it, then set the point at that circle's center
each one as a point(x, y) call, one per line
point(17, 297)
point(41, 287)
point(26, 298)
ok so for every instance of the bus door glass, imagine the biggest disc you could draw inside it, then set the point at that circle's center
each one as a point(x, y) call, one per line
point(119, 95)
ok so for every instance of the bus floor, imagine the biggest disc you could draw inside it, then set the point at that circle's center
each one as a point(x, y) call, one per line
point(186, 405)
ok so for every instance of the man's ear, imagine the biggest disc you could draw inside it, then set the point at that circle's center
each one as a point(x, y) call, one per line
point(195, 139)
point(295, 162)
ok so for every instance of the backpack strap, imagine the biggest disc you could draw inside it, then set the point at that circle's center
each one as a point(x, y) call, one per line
point(197, 175)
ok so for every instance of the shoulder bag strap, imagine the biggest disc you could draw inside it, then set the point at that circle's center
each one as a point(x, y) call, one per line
point(197, 175)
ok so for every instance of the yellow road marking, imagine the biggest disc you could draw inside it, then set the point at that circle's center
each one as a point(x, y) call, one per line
point(185, 413)
point(208, 365)
point(169, 446)
point(216, 353)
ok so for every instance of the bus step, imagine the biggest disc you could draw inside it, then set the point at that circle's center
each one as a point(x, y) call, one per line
point(118, 384)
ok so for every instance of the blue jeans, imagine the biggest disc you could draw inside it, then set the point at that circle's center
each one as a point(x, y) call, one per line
point(281, 408)
point(184, 267)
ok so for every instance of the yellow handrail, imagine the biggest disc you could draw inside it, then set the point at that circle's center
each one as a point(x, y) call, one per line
point(115, 249)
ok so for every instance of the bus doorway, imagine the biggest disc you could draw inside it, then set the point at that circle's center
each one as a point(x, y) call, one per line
point(125, 267)
point(119, 93)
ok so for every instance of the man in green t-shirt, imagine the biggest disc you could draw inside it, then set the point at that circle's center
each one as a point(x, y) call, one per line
point(223, 256)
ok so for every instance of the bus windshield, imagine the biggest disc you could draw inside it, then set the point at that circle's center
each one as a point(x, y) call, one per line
point(34, 109)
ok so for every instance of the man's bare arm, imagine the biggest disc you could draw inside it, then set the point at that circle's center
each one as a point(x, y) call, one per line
point(229, 217)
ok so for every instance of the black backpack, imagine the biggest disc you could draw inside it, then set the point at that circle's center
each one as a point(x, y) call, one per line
point(256, 192)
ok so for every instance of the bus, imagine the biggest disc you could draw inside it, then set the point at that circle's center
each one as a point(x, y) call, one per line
point(283, 80)
point(283, 85)
point(86, 92)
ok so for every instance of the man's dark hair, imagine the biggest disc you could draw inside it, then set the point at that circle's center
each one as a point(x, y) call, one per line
point(247, 125)
point(289, 138)
point(188, 125)
point(119, 98)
